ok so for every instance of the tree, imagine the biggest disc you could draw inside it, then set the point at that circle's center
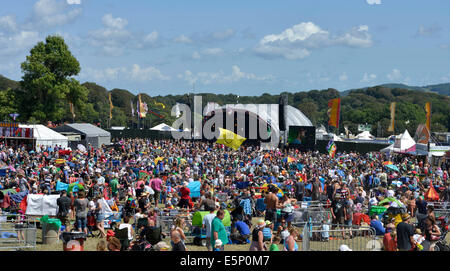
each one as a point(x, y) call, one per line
point(47, 84)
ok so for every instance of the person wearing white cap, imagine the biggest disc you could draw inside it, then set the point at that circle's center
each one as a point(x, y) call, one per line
point(344, 248)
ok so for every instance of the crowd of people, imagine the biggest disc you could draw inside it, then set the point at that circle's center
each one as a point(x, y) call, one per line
point(144, 179)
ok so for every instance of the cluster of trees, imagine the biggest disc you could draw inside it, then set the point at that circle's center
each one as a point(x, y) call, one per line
point(47, 88)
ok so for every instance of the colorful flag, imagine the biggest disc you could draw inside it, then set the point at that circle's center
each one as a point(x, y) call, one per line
point(331, 148)
point(334, 108)
point(230, 139)
point(110, 106)
point(391, 127)
point(161, 104)
point(428, 110)
point(132, 108)
point(142, 108)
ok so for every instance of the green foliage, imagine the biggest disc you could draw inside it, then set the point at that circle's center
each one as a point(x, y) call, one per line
point(47, 85)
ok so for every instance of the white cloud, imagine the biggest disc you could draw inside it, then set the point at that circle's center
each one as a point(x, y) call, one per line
point(395, 75)
point(115, 38)
point(298, 41)
point(373, 2)
point(8, 23)
point(147, 74)
point(182, 39)
point(207, 78)
point(210, 37)
point(343, 77)
point(74, 2)
point(18, 42)
point(368, 78)
point(50, 13)
point(116, 23)
point(213, 51)
point(135, 72)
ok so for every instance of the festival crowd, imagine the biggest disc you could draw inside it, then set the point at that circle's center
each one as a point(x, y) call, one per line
point(144, 180)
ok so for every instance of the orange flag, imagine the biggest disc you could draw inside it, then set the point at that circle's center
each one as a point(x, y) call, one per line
point(428, 109)
point(334, 109)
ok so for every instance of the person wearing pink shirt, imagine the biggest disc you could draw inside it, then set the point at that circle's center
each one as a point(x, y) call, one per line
point(156, 184)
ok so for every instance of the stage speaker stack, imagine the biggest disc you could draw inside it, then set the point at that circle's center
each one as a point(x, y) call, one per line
point(283, 102)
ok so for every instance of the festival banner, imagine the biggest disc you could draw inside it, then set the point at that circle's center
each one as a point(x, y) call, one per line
point(334, 108)
point(428, 110)
point(142, 108)
point(391, 127)
point(110, 106)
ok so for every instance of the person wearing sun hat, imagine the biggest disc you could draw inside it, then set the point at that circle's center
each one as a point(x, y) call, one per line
point(405, 233)
point(258, 237)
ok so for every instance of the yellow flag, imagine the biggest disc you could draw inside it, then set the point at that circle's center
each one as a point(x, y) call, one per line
point(230, 139)
point(428, 110)
point(391, 127)
point(110, 106)
point(161, 104)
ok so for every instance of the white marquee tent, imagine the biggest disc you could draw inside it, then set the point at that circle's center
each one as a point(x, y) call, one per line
point(46, 137)
point(404, 143)
point(163, 128)
point(365, 135)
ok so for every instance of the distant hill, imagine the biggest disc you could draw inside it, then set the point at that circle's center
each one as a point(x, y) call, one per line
point(443, 89)
point(358, 106)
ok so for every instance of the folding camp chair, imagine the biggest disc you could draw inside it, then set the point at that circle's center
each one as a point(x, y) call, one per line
point(122, 235)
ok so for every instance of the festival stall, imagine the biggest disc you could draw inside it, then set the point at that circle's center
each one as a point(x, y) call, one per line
point(45, 137)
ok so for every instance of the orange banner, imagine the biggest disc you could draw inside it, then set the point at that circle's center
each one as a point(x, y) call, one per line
point(334, 108)
point(428, 110)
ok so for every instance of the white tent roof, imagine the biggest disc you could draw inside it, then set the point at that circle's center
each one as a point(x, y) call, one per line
point(404, 142)
point(46, 137)
point(365, 135)
point(163, 127)
point(41, 132)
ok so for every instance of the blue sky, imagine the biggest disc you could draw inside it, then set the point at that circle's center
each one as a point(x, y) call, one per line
point(242, 47)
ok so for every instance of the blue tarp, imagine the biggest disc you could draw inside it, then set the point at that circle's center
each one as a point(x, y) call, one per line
point(60, 186)
point(195, 189)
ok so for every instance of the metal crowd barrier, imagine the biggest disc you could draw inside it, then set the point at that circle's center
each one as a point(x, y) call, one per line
point(318, 238)
point(313, 216)
point(17, 232)
point(443, 205)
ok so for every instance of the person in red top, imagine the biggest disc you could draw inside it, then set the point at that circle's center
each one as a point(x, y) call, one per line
point(185, 196)
point(390, 241)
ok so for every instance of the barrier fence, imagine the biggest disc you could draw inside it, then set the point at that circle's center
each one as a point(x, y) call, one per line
point(331, 238)
point(17, 232)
